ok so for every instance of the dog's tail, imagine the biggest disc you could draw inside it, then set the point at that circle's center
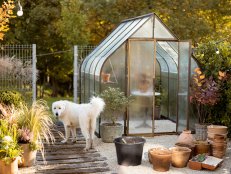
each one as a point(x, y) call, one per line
point(97, 104)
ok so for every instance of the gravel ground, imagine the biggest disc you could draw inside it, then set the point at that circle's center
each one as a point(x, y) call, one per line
point(108, 150)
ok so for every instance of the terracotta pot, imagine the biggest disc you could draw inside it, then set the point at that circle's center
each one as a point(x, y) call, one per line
point(211, 136)
point(202, 147)
point(219, 149)
point(217, 129)
point(106, 77)
point(161, 159)
point(186, 138)
point(194, 165)
point(28, 156)
point(180, 156)
point(11, 168)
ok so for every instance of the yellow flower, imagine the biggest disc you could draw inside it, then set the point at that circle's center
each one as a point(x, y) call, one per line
point(222, 74)
point(196, 69)
point(202, 76)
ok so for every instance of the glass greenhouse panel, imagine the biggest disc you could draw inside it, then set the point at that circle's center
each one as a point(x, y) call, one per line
point(141, 64)
point(146, 31)
point(82, 86)
point(169, 50)
point(183, 92)
point(192, 117)
point(114, 44)
point(102, 46)
point(160, 31)
point(169, 60)
point(173, 85)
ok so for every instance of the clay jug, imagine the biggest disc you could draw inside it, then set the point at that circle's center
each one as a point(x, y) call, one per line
point(185, 138)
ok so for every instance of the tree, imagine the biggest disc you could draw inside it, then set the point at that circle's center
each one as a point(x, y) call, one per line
point(6, 12)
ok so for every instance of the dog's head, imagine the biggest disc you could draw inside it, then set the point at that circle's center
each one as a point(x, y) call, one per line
point(58, 108)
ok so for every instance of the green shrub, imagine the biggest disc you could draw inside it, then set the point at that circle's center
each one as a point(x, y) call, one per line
point(8, 97)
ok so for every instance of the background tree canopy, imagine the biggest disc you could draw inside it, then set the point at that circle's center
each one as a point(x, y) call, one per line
point(57, 25)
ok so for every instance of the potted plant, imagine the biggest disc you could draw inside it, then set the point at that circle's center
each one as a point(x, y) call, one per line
point(35, 124)
point(9, 148)
point(115, 105)
point(205, 93)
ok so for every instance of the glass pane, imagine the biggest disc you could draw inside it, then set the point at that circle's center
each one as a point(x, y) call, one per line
point(141, 86)
point(169, 60)
point(146, 30)
point(160, 31)
point(115, 66)
point(183, 85)
point(192, 116)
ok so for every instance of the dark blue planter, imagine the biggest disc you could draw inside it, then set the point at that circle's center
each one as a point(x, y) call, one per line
point(129, 154)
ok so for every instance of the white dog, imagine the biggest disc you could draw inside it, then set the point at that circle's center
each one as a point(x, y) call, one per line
point(79, 115)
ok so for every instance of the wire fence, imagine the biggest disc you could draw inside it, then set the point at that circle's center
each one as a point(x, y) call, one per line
point(82, 52)
point(16, 68)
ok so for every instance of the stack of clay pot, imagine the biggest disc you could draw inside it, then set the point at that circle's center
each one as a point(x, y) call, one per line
point(217, 136)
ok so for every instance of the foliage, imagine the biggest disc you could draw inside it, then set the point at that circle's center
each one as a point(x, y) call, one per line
point(116, 102)
point(214, 57)
point(200, 157)
point(6, 12)
point(58, 24)
point(205, 93)
point(15, 68)
point(35, 124)
point(9, 148)
point(9, 97)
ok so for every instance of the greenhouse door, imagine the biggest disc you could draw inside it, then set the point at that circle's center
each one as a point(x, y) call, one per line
point(141, 77)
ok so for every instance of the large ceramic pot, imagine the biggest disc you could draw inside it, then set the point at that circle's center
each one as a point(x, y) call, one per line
point(161, 158)
point(109, 132)
point(11, 168)
point(129, 150)
point(180, 156)
point(28, 156)
point(202, 147)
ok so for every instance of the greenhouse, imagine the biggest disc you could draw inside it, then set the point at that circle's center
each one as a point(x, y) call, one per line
point(147, 61)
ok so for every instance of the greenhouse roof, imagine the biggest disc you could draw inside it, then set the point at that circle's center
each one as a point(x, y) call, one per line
point(147, 26)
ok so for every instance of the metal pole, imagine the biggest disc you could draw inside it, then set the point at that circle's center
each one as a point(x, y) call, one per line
point(34, 61)
point(75, 75)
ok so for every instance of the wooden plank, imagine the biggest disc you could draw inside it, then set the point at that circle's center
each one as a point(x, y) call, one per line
point(72, 166)
point(65, 161)
point(75, 171)
point(66, 156)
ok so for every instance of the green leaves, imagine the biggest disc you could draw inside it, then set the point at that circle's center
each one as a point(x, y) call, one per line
point(115, 101)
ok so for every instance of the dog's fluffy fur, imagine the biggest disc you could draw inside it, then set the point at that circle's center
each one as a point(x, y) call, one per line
point(79, 115)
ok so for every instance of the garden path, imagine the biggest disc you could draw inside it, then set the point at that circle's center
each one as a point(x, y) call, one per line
point(68, 158)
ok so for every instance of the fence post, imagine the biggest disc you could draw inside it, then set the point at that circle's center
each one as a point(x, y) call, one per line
point(34, 73)
point(75, 75)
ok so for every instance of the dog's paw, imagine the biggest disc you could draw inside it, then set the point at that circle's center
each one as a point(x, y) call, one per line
point(86, 149)
point(74, 141)
point(64, 141)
